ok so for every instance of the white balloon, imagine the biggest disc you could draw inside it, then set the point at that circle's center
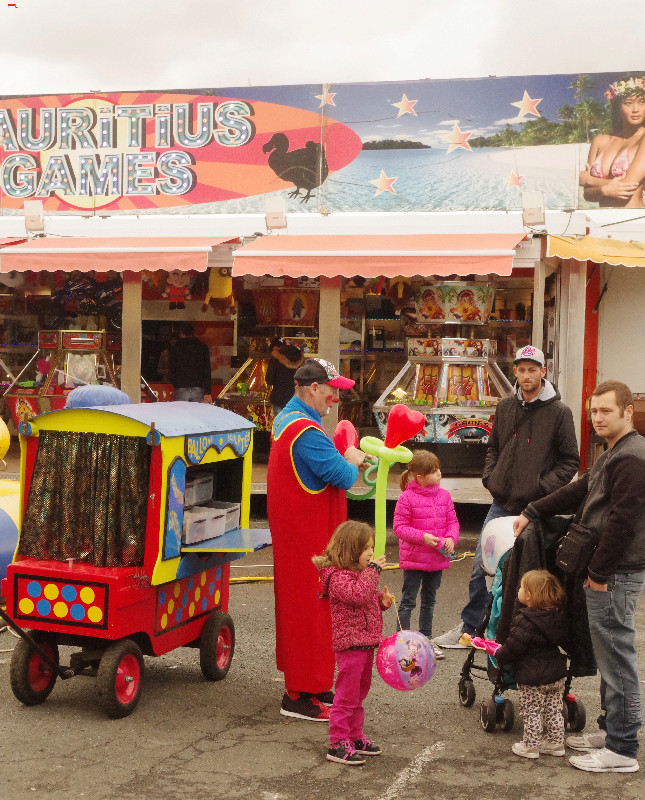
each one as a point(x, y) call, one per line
point(497, 539)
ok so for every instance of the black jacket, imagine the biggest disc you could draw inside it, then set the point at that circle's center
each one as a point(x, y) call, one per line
point(535, 548)
point(532, 646)
point(189, 364)
point(532, 450)
point(281, 368)
point(610, 500)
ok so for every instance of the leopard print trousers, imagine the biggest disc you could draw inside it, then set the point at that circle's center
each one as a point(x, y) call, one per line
point(536, 703)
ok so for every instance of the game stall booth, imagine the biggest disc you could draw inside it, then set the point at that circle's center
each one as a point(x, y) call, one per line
point(129, 518)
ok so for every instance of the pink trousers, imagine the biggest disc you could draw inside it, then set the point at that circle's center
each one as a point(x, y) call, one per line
point(353, 682)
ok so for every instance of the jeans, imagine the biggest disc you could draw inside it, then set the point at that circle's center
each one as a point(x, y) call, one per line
point(353, 682)
point(429, 583)
point(473, 612)
point(613, 634)
point(193, 394)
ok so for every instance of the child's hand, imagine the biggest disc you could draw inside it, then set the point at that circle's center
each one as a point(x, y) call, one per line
point(381, 561)
point(388, 598)
point(430, 540)
point(449, 546)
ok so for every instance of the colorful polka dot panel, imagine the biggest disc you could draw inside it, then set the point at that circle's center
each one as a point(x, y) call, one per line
point(179, 602)
point(68, 603)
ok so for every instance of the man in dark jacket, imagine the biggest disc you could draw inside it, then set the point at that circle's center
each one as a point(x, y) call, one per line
point(285, 360)
point(189, 367)
point(610, 501)
point(532, 451)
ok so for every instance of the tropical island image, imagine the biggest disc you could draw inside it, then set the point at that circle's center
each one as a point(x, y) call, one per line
point(395, 144)
point(577, 123)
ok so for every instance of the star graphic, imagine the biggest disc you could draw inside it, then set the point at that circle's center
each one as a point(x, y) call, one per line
point(405, 106)
point(326, 98)
point(383, 184)
point(527, 105)
point(457, 139)
point(515, 180)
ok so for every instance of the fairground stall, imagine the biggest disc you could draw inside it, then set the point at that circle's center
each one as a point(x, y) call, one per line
point(130, 517)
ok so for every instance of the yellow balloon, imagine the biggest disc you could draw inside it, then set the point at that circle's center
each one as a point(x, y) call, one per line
point(5, 439)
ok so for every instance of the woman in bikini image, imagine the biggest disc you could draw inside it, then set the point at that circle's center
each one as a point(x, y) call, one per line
point(615, 169)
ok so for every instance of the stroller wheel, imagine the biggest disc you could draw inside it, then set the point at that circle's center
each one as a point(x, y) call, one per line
point(466, 692)
point(575, 715)
point(488, 715)
point(508, 716)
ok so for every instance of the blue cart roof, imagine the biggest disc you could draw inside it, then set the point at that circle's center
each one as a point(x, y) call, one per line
point(178, 418)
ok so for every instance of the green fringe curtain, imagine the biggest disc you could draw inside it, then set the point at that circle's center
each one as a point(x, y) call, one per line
point(88, 499)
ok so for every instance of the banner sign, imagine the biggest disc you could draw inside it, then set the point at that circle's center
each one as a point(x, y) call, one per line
point(431, 145)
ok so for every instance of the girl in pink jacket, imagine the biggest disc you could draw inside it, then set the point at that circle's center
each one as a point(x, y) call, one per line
point(427, 528)
point(349, 576)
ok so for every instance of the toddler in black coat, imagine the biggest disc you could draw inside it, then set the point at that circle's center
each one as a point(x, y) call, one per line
point(532, 648)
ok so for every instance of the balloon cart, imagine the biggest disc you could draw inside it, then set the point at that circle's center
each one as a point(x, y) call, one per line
point(129, 518)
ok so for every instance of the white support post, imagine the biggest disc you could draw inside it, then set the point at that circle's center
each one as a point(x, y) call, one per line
point(328, 334)
point(131, 336)
point(572, 336)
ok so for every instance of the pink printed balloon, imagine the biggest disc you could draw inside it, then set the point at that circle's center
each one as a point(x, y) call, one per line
point(406, 660)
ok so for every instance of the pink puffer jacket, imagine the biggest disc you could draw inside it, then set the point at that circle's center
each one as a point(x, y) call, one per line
point(355, 605)
point(419, 510)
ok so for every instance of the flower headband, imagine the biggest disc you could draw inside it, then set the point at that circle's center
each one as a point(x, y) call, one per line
point(626, 88)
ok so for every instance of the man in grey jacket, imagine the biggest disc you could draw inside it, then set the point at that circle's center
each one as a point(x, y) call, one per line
point(532, 451)
point(610, 501)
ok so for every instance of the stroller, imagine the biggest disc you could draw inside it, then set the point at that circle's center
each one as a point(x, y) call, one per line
point(505, 560)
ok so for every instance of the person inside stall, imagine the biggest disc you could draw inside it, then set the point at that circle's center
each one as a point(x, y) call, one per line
point(189, 367)
point(285, 360)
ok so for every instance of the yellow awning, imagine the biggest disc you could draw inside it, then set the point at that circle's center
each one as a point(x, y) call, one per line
point(602, 251)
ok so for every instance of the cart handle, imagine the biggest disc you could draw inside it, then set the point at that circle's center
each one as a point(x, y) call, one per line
point(62, 672)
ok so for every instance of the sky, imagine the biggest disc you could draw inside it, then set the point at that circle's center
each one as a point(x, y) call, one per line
point(61, 46)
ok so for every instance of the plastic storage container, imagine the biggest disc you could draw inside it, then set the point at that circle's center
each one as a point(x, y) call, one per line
point(232, 511)
point(202, 523)
point(199, 490)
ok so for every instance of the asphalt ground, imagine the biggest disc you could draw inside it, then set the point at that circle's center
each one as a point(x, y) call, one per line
point(189, 738)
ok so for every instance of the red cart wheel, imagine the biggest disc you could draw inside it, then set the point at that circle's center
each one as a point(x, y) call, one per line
point(119, 678)
point(216, 646)
point(32, 678)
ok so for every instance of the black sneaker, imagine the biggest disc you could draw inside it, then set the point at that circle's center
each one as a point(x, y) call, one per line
point(305, 708)
point(366, 748)
point(344, 753)
point(327, 698)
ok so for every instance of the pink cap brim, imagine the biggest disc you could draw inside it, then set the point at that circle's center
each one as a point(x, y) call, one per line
point(341, 383)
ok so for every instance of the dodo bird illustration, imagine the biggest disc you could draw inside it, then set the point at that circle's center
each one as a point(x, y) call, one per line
point(306, 167)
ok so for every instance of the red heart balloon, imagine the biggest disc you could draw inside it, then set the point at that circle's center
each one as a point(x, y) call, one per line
point(345, 436)
point(402, 424)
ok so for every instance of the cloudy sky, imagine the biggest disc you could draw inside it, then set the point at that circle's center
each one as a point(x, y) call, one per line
point(56, 46)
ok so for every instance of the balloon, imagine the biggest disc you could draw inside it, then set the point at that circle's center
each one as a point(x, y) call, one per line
point(402, 424)
point(497, 539)
point(406, 660)
point(345, 436)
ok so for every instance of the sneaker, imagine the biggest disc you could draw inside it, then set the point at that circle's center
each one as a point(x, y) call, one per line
point(604, 760)
point(438, 653)
point(587, 742)
point(305, 708)
point(551, 748)
point(366, 748)
point(344, 753)
point(452, 639)
point(520, 749)
point(326, 698)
